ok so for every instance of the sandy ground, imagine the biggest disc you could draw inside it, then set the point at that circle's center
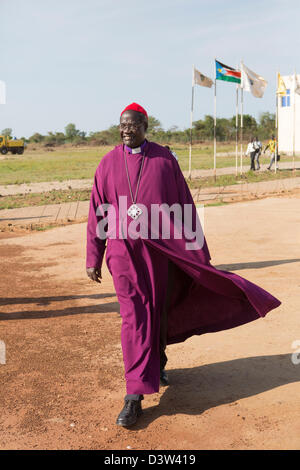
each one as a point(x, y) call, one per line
point(62, 385)
point(13, 189)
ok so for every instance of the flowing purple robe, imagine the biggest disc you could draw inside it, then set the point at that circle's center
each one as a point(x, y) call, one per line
point(203, 299)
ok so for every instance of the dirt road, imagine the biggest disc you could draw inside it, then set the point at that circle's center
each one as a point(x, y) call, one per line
point(25, 188)
point(62, 385)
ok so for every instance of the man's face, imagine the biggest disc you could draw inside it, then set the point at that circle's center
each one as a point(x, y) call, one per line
point(133, 128)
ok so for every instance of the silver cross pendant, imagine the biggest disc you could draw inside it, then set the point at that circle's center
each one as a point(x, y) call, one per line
point(134, 211)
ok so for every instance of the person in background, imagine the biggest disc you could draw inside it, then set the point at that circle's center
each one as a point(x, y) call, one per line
point(251, 150)
point(258, 150)
point(272, 146)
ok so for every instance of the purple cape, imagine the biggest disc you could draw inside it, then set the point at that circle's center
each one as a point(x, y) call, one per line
point(203, 298)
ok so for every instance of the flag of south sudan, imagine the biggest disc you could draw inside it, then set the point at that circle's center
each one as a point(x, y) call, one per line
point(228, 74)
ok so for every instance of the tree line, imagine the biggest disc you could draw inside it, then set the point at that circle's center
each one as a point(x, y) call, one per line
point(202, 130)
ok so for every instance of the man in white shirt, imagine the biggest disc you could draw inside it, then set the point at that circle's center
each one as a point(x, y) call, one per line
point(258, 150)
point(251, 150)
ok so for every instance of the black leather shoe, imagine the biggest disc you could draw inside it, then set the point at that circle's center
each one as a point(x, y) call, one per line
point(130, 413)
point(164, 379)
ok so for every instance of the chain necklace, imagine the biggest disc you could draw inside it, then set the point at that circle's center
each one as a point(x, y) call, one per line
point(134, 210)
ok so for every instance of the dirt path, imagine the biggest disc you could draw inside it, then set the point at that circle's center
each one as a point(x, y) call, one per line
point(13, 189)
point(62, 385)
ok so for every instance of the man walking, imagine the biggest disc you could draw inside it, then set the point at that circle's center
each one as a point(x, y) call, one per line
point(258, 149)
point(251, 150)
point(272, 146)
point(166, 286)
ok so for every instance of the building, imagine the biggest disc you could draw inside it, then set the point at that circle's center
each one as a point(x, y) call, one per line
point(289, 116)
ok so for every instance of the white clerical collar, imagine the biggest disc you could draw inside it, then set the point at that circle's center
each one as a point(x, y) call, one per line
point(136, 150)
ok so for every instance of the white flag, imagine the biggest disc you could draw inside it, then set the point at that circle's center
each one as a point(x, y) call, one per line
point(297, 85)
point(202, 80)
point(2, 92)
point(253, 82)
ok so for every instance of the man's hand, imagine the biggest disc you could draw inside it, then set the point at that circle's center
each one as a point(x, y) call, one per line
point(94, 274)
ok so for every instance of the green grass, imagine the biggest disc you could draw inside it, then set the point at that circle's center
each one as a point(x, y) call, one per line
point(59, 165)
point(62, 196)
point(249, 177)
point(40, 228)
point(46, 198)
point(202, 156)
point(64, 163)
point(213, 204)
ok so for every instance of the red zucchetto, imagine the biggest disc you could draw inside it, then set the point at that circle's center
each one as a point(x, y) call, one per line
point(135, 107)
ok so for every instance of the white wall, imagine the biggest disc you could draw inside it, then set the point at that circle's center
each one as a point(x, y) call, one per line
point(286, 118)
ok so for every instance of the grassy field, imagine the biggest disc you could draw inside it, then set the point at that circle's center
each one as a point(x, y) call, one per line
point(57, 197)
point(64, 163)
point(249, 177)
point(57, 165)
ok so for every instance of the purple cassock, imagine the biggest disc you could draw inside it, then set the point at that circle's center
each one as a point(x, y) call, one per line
point(203, 299)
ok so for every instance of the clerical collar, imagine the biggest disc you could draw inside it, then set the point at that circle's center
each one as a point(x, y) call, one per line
point(136, 149)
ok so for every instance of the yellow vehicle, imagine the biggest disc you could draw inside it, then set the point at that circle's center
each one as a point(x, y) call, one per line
point(11, 145)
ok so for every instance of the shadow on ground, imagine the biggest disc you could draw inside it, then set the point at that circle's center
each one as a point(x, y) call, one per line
point(103, 307)
point(195, 390)
point(255, 264)
point(48, 300)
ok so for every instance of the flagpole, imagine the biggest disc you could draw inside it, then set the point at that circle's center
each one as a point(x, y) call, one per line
point(242, 123)
point(215, 133)
point(191, 129)
point(215, 125)
point(294, 119)
point(236, 129)
point(276, 123)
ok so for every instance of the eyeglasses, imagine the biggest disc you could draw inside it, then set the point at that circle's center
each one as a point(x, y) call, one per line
point(130, 127)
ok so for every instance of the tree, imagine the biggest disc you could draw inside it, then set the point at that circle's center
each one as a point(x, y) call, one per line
point(36, 138)
point(60, 138)
point(7, 132)
point(204, 129)
point(267, 119)
point(249, 126)
point(114, 132)
point(266, 125)
point(154, 125)
point(71, 131)
point(49, 140)
point(111, 136)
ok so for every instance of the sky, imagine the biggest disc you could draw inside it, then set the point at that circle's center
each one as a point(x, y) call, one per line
point(83, 61)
